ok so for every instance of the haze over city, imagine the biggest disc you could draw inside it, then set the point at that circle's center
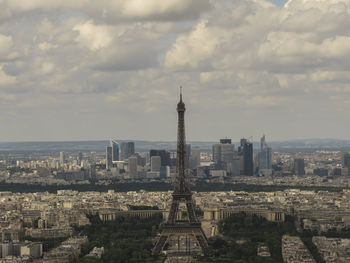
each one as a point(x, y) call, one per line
point(86, 70)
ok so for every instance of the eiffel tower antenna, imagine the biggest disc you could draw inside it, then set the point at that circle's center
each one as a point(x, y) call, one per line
point(182, 194)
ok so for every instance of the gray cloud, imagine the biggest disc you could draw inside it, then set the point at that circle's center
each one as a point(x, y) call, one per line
point(110, 10)
point(126, 58)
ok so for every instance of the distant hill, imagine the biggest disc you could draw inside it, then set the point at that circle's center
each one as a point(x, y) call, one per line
point(92, 146)
point(142, 146)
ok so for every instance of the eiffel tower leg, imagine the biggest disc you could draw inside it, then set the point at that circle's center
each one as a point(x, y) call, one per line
point(160, 244)
point(191, 212)
point(201, 240)
point(173, 211)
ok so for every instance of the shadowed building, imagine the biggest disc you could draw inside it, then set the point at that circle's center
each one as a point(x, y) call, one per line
point(299, 166)
point(164, 156)
point(246, 153)
point(346, 160)
point(126, 150)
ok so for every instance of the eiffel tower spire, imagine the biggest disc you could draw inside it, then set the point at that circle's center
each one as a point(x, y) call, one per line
point(182, 194)
point(181, 183)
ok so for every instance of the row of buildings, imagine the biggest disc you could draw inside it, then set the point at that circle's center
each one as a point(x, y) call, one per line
point(48, 215)
point(225, 161)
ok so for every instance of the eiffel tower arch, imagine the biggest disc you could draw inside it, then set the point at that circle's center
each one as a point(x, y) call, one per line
point(175, 227)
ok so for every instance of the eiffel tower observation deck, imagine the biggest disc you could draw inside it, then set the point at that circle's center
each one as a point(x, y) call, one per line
point(174, 228)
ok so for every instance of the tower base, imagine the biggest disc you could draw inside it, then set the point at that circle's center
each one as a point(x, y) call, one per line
point(180, 229)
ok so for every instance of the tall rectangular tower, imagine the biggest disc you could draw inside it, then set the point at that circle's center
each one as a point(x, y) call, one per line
point(115, 150)
point(126, 150)
point(109, 162)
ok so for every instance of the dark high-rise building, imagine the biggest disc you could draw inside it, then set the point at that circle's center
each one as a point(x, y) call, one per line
point(246, 151)
point(346, 160)
point(164, 156)
point(109, 162)
point(240, 148)
point(217, 154)
point(115, 150)
point(299, 166)
point(126, 150)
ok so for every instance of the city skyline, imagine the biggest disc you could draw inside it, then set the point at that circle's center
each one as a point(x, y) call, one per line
point(87, 71)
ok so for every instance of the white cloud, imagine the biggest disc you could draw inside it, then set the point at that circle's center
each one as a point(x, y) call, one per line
point(46, 46)
point(93, 36)
point(195, 50)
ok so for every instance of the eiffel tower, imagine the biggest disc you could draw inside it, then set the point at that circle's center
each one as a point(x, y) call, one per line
point(182, 194)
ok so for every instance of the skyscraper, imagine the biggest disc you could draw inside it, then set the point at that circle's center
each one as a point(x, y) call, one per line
point(115, 150)
point(93, 157)
point(217, 154)
point(126, 150)
point(346, 160)
point(223, 153)
point(265, 155)
point(62, 158)
point(80, 158)
point(164, 156)
point(227, 153)
point(246, 151)
point(109, 162)
point(299, 166)
point(132, 167)
point(155, 163)
point(195, 159)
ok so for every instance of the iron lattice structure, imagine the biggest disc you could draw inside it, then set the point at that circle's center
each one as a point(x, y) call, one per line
point(182, 194)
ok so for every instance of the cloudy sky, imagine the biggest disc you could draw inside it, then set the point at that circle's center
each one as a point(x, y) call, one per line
point(87, 69)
